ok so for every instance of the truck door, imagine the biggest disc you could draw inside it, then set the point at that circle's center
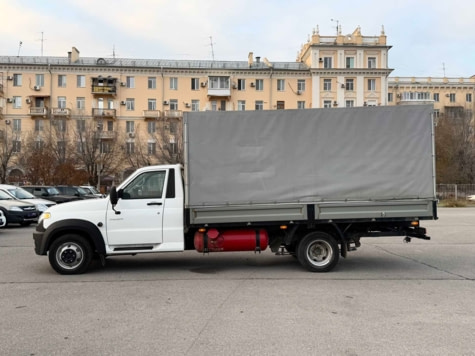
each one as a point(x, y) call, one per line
point(141, 206)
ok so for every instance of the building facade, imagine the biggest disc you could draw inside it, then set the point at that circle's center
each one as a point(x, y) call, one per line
point(126, 100)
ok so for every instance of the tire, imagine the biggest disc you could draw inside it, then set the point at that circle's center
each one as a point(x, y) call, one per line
point(318, 252)
point(70, 254)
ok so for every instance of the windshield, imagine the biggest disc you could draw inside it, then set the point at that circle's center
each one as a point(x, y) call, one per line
point(5, 196)
point(20, 193)
point(81, 191)
point(52, 191)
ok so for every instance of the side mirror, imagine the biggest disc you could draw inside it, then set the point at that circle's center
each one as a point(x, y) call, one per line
point(114, 198)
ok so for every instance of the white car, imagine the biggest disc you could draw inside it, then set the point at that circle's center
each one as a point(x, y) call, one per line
point(471, 197)
point(92, 190)
point(23, 195)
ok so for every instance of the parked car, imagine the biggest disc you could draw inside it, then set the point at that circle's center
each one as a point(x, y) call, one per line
point(16, 211)
point(471, 197)
point(93, 190)
point(27, 197)
point(2, 219)
point(49, 192)
point(75, 191)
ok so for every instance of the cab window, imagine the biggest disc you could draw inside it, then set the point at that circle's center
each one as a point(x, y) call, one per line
point(148, 185)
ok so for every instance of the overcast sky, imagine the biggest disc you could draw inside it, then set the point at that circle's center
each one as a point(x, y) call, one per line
point(426, 35)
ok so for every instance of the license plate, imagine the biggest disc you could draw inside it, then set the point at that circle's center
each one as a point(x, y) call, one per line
point(32, 215)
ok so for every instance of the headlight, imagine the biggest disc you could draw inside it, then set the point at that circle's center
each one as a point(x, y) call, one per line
point(41, 207)
point(44, 216)
point(15, 208)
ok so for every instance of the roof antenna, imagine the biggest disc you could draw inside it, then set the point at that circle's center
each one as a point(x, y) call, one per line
point(42, 42)
point(19, 47)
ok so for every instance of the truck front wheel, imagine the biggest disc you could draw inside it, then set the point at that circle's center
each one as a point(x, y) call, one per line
point(318, 252)
point(70, 254)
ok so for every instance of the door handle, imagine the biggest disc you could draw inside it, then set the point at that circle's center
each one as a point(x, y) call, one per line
point(154, 203)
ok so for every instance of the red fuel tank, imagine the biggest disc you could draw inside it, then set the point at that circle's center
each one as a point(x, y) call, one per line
point(231, 240)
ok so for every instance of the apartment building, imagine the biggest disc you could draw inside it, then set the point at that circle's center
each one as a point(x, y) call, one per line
point(127, 99)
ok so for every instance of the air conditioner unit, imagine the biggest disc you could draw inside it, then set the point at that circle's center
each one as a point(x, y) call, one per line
point(234, 86)
point(9, 100)
point(343, 86)
point(447, 95)
point(132, 134)
point(203, 84)
point(9, 77)
point(122, 102)
point(320, 59)
point(28, 101)
point(165, 102)
point(187, 105)
point(253, 84)
point(37, 87)
point(122, 84)
point(299, 92)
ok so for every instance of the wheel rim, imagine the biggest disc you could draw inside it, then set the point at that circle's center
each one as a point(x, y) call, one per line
point(319, 253)
point(70, 255)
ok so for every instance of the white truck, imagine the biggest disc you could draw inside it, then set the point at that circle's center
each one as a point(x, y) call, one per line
point(310, 183)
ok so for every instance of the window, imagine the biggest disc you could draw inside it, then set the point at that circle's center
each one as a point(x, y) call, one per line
point(17, 80)
point(174, 83)
point(195, 105)
point(148, 185)
point(16, 125)
point(17, 102)
point(371, 84)
point(152, 83)
point(241, 105)
point(280, 84)
point(390, 97)
point(452, 97)
point(436, 96)
point(436, 113)
point(38, 125)
point(130, 82)
point(327, 84)
point(219, 82)
point(79, 147)
point(214, 105)
point(350, 62)
point(152, 104)
point(16, 146)
point(61, 147)
point(327, 62)
point(173, 104)
point(327, 103)
point(62, 102)
point(259, 105)
point(468, 97)
point(40, 80)
point(39, 144)
point(241, 84)
point(104, 147)
point(151, 148)
point(61, 81)
point(349, 84)
point(301, 85)
point(61, 125)
point(259, 84)
point(129, 126)
point(129, 147)
point(349, 103)
point(130, 104)
point(81, 81)
point(80, 103)
point(300, 104)
point(280, 105)
point(195, 83)
point(81, 125)
point(372, 62)
point(151, 127)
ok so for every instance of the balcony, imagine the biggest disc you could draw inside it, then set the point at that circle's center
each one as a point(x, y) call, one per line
point(178, 114)
point(2, 135)
point(38, 112)
point(105, 135)
point(152, 114)
point(104, 113)
point(104, 86)
point(61, 112)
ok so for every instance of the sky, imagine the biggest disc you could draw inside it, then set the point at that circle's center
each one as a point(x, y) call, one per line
point(428, 37)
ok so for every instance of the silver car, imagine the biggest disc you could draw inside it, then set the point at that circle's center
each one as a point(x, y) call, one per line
point(21, 194)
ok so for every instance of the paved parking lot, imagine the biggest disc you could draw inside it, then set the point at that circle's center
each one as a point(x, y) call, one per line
point(388, 298)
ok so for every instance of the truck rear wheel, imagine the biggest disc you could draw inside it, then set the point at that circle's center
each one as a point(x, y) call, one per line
point(70, 254)
point(318, 252)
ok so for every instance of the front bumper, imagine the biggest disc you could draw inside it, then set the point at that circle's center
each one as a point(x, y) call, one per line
point(38, 238)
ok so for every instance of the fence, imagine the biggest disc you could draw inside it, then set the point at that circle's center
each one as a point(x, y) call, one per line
point(454, 191)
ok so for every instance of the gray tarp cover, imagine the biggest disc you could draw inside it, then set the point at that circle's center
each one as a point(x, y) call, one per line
point(364, 153)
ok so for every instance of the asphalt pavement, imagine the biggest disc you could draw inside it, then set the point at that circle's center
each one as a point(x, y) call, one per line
point(386, 298)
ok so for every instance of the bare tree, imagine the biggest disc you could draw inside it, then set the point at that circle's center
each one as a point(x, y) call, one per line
point(168, 139)
point(10, 141)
